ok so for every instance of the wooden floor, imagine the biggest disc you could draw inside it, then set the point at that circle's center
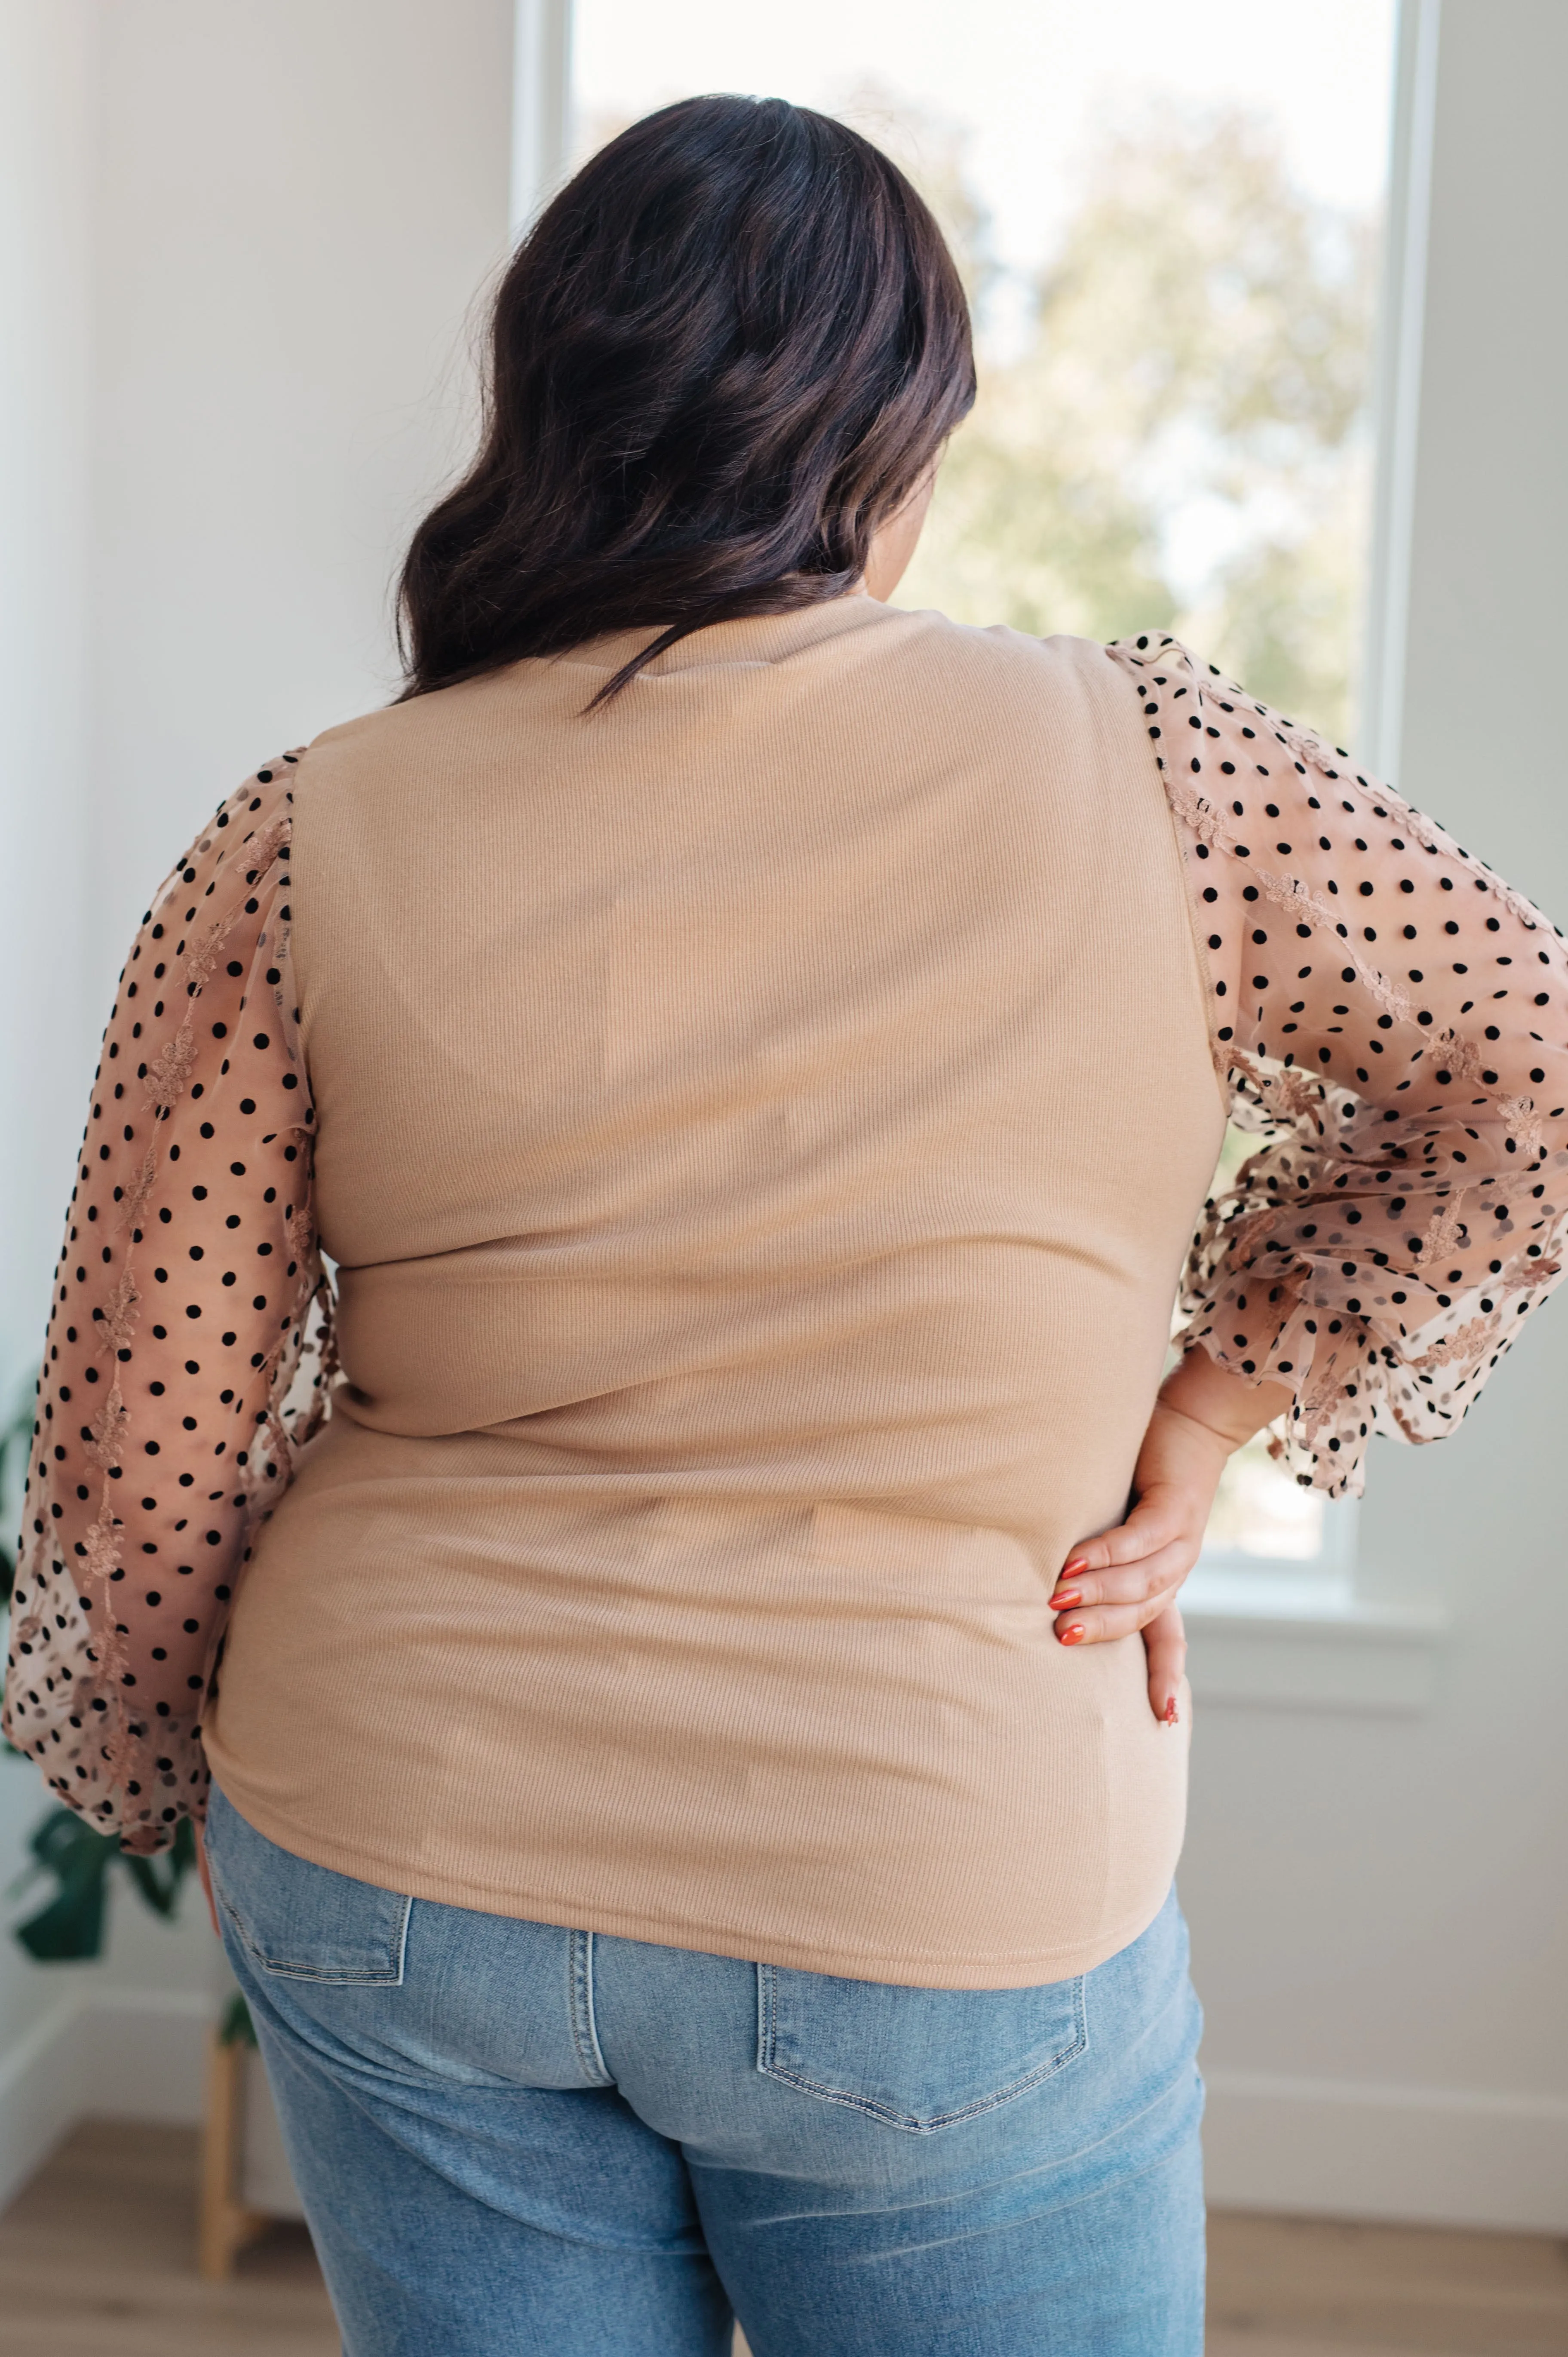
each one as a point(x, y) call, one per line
point(97, 2260)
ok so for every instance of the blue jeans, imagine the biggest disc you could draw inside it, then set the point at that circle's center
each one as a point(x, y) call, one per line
point(513, 2138)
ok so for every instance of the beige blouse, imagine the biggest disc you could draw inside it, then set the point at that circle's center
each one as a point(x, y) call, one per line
point(1386, 1014)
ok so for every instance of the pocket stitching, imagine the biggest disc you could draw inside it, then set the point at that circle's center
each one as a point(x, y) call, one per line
point(868, 2104)
point(389, 1976)
point(580, 1993)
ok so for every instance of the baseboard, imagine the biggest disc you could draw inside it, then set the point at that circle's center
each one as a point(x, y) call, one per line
point(39, 2087)
point(1315, 2146)
point(1417, 2155)
point(123, 2054)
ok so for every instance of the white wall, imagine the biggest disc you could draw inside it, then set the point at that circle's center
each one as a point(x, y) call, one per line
point(121, 2037)
point(300, 203)
point(240, 245)
point(46, 205)
point(1378, 1901)
point(45, 208)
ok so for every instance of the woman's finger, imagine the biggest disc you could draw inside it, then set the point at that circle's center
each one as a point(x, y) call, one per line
point(1152, 1523)
point(1165, 1641)
point(1144, 1583)
point(1128, 1583)
point(206, 1879)
point(1164, 1513)
point(1103, 1624)
point(1098, 1624)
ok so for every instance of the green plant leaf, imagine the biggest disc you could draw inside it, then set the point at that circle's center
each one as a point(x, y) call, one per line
point(68, 1928)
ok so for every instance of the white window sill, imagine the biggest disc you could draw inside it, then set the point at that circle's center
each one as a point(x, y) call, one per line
point(1280, 1637)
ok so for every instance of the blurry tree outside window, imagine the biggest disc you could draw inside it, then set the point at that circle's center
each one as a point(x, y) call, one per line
point(1183, 439)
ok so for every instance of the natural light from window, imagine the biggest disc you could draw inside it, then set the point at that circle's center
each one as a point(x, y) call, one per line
point(1170, 227)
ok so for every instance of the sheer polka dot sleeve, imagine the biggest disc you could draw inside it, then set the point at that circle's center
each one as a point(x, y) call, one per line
point(1392, 1020)
point(181, 1308)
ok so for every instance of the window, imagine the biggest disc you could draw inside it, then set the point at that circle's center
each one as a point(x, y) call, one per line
point(1172, 239)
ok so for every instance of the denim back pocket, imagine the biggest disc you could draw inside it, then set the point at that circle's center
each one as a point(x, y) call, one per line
point(299, 1921)
point(916, 2059)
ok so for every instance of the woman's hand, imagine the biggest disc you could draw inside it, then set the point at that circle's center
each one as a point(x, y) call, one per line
point(204, 1872)
point(1127, 1579)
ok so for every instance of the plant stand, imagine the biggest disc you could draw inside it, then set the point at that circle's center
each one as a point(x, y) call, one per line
point(245, 2178)
point(226, 2222)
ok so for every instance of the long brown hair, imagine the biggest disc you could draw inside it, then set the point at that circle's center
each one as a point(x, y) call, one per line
point(728, 350)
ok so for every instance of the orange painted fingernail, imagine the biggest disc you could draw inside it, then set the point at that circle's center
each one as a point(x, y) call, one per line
point(1078, 1563)
point(1067, 1599)
point(1170, 1718)
point(1072, 1635)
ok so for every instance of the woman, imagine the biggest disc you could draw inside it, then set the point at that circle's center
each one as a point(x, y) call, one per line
point(699, 1738)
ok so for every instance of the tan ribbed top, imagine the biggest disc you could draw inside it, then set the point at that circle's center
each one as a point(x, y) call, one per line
point(758, 1129)
point(760, 1125)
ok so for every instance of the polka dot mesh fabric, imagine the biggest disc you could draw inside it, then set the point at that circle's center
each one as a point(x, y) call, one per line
point(1388, 1018)
point(1392, 1019)
point(185, 1362)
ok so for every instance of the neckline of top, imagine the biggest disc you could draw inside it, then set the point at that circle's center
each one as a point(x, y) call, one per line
point(747, 640)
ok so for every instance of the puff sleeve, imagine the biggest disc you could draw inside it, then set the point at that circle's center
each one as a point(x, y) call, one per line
point(182, 1309)
point(1392, 1019)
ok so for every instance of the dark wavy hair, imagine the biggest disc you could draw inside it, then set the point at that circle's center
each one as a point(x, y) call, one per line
point(729, 349)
